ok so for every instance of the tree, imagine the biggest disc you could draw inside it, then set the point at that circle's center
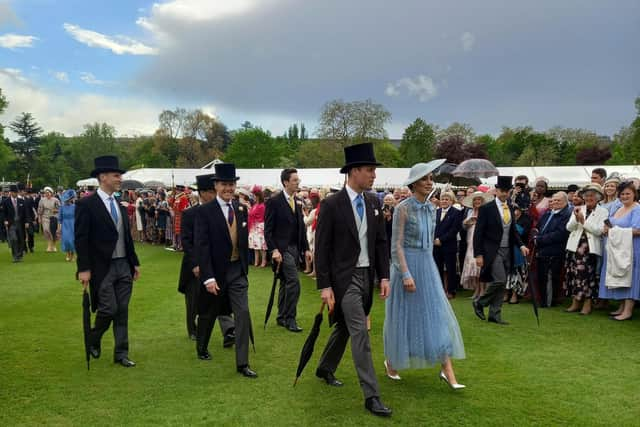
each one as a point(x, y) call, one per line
point(540, 150)
point(319, 154)
point(256, 148)
point(461, 130)
point(626, 143)
point(353, 122)
point(418, 141)
point(3, 106)
point(172, 122)
point(102, 137)
point(452, 149)
point(6, 155)
point(303, 132)
point(597, 155)
point(26, 147)
point(387, 154)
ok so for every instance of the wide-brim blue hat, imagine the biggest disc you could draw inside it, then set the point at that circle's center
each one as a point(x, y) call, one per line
point(420, 170)
point(105, 164)
point(225, 172)
point(359, 155)
point(68, 195)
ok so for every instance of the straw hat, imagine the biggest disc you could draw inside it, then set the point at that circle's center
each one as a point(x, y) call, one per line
point(468, 201)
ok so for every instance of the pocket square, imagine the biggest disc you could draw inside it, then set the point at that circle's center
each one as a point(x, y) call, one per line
point(244, 224)
point(375, 212)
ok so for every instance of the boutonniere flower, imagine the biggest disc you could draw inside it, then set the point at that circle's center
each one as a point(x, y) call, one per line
point(244, 224)
point(241, 208)
point(298, 202)
point(375, 212)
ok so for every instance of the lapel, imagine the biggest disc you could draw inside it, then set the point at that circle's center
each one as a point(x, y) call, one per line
point(438, 215)
point(286, 206)
point(371, 218)
point(347, 211)
point(101, 209)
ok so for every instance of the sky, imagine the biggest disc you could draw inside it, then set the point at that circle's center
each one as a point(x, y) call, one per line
point(494, 63)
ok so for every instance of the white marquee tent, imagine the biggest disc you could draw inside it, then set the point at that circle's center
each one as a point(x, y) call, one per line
point(558, 176)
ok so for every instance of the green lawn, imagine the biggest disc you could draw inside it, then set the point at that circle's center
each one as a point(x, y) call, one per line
point(572, 370)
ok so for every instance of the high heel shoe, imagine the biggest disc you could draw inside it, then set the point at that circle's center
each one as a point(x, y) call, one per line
point(456, 386)
point(395, 377)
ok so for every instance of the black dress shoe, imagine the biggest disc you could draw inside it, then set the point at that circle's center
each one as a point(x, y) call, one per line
point(247, 372)
point(229, 340)
point(282, 323)
point(204, 355)
point(293, 327)
point(498, 321)
point(94, 351)
point(125, 362)
point(376, 407)
point(329, 378)
point(478, 310)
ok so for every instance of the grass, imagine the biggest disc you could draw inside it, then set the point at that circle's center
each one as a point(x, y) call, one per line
point(572, 370)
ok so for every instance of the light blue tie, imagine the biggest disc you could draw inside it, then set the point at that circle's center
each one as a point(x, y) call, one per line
point(114, 211)
point(360, 206)
point(547, 223)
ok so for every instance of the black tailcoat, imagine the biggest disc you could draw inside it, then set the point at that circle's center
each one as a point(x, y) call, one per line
point(96, 237)
point(280, 222)
point(337, 246)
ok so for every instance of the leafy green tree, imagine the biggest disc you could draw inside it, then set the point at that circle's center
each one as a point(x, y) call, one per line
point(540, 150)
point(461, 130)
point(387, 154)
point(319, 153)
point(256, 148)
point(6, 154)
point(626, 143)
point(418, 141)
point(353, 122)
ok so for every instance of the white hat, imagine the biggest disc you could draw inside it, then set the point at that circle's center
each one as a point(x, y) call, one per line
point(49, 189)
point(420, 170)
point(468, 201)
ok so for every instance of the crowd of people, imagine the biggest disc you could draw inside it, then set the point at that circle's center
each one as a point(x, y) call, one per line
point(420, 244)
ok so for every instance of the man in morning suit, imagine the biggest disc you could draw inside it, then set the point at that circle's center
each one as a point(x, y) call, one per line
point(286, 236)
point(106, 258)
point(221, 248)
point(189, 283)
point(350, 250)
point(15, 219)
point(31, 207)
point(445, 243)
point(494, 241)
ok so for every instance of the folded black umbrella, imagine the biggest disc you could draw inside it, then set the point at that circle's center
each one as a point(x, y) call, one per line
point(276, 275)
point(309, 344)
point(532, 284)
point(86, 323)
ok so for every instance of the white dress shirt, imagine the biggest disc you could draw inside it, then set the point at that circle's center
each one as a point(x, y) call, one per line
point(107, 203)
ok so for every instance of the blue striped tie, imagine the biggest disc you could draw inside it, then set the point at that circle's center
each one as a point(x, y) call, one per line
point(114, 211)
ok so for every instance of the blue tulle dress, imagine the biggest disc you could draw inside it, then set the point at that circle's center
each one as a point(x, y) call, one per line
point(420, 328)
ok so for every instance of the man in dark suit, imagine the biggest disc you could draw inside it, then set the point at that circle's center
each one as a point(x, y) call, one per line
point(15, 219)
point(106, 258)
point(350, 250)
point(551, 242)
point(221, 248)
point(494, 240)
point(189, 283)
point(32, 208)
point(286, 237)
point(445, 243)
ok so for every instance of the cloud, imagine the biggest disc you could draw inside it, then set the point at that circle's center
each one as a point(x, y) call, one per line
point(468, 40)
point(68, 112)
point(120, 45)
point(422, 87)
point(90, 79)
point(14, 41)
point(60, 76)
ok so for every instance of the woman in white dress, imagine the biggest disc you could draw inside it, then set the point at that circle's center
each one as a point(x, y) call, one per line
point(471, 272)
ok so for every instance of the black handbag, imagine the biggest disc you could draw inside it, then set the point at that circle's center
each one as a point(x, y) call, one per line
point(53, 225)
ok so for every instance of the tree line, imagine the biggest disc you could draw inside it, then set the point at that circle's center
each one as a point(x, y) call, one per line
point(191, 138)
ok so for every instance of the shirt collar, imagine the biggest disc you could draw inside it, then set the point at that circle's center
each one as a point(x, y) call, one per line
point(221, 201)
point(103, 195)
point(352, 193)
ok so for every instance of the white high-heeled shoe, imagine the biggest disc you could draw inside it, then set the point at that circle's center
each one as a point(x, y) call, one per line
point(456, 386)
point(395, 377)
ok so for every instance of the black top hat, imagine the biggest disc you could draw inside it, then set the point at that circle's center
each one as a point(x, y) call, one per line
point(21, 186)
point(225, 172)
point(13, 188)
point(359, 155)
point(106, 164)
point(206, 182)
point(504, 182)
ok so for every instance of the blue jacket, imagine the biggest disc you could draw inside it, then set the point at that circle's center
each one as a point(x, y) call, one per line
point(552, 239)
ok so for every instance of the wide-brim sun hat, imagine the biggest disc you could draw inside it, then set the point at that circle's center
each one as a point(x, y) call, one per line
point(591, 187)
point(420, 170)
point(468, 201)
point(49, 189)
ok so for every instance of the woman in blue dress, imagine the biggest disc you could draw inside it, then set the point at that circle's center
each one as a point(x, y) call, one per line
point(626, 215)
point(66, 218)
point(420, 328)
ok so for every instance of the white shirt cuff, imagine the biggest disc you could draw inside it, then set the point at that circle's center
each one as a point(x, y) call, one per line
point(206, 282)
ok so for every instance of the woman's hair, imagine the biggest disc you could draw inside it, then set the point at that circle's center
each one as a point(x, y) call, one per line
point(628, 184)
point(259, 196)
